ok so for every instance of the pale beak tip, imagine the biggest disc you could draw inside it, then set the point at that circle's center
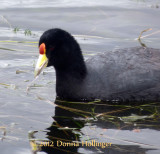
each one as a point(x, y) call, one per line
point(37, 71)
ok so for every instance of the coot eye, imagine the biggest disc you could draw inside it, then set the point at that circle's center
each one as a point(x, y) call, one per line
point(51, 48)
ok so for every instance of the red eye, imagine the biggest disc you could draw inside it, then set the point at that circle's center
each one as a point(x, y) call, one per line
point(52, 48)
point(42, 49)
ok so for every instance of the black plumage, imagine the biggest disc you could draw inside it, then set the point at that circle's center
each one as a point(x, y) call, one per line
point(131, 74)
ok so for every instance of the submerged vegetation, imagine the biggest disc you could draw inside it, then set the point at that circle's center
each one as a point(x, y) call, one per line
point(125, 126)
point(26, 32)
point(96, 117)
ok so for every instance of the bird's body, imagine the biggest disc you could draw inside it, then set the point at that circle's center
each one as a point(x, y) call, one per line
point(124, 75)
point(131, 74)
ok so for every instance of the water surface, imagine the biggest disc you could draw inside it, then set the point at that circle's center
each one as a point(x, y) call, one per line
point(98, 25)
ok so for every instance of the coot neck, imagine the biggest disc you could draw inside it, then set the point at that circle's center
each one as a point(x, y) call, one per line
point(70, 80)
point(76, 71)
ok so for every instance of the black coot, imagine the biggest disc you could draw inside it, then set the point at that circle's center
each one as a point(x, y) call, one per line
point(131, 74)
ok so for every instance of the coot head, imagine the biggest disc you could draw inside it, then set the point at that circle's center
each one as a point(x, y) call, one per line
point(59, 49)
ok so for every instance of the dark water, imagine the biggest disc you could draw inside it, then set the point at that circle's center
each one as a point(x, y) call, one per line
point(30, 120)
